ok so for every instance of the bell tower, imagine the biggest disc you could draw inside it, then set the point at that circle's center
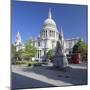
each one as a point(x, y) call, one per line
point(18, 42)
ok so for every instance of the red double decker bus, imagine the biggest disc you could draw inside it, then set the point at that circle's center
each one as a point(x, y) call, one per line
point(74, 58)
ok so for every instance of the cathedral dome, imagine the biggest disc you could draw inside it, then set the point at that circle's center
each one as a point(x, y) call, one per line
point(49, 21)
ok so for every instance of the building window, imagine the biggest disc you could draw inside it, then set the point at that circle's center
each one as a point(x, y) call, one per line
point(50, 33)
point(53, 33)
point(46, 33)
point(38, 53)
point(38, 43)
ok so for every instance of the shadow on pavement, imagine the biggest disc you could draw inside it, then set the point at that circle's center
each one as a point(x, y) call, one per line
point(23, 82)
point(75, 76)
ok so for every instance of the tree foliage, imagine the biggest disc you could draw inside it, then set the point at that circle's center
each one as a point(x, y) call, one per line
point(26, 53)
point(13, 50)
point(29, 50)
point(50, 54)
point(81, 47)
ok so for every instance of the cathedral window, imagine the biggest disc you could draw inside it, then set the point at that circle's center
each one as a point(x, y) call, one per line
point(42, 34)
point(39, 43)
point(54, 33)
point(38, 53)
point(50, 33)
point(46, 33)
point(44, 52)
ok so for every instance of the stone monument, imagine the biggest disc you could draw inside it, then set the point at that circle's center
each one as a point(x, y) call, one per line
point(60, 58)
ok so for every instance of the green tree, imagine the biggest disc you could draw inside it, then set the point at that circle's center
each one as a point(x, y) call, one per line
point(13, 54)
point(50, 54)
point(13, 51)
point(29, 50)
point(81, 47)
point(18, 54)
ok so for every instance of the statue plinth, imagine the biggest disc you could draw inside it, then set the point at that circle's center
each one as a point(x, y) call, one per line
point(60, 61)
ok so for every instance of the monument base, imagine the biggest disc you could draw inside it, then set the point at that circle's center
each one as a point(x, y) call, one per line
point(60, 61)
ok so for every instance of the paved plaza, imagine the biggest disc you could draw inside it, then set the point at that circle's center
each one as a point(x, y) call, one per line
point(47, 76)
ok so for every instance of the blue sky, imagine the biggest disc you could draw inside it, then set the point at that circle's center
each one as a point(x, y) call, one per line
point(28, 18)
